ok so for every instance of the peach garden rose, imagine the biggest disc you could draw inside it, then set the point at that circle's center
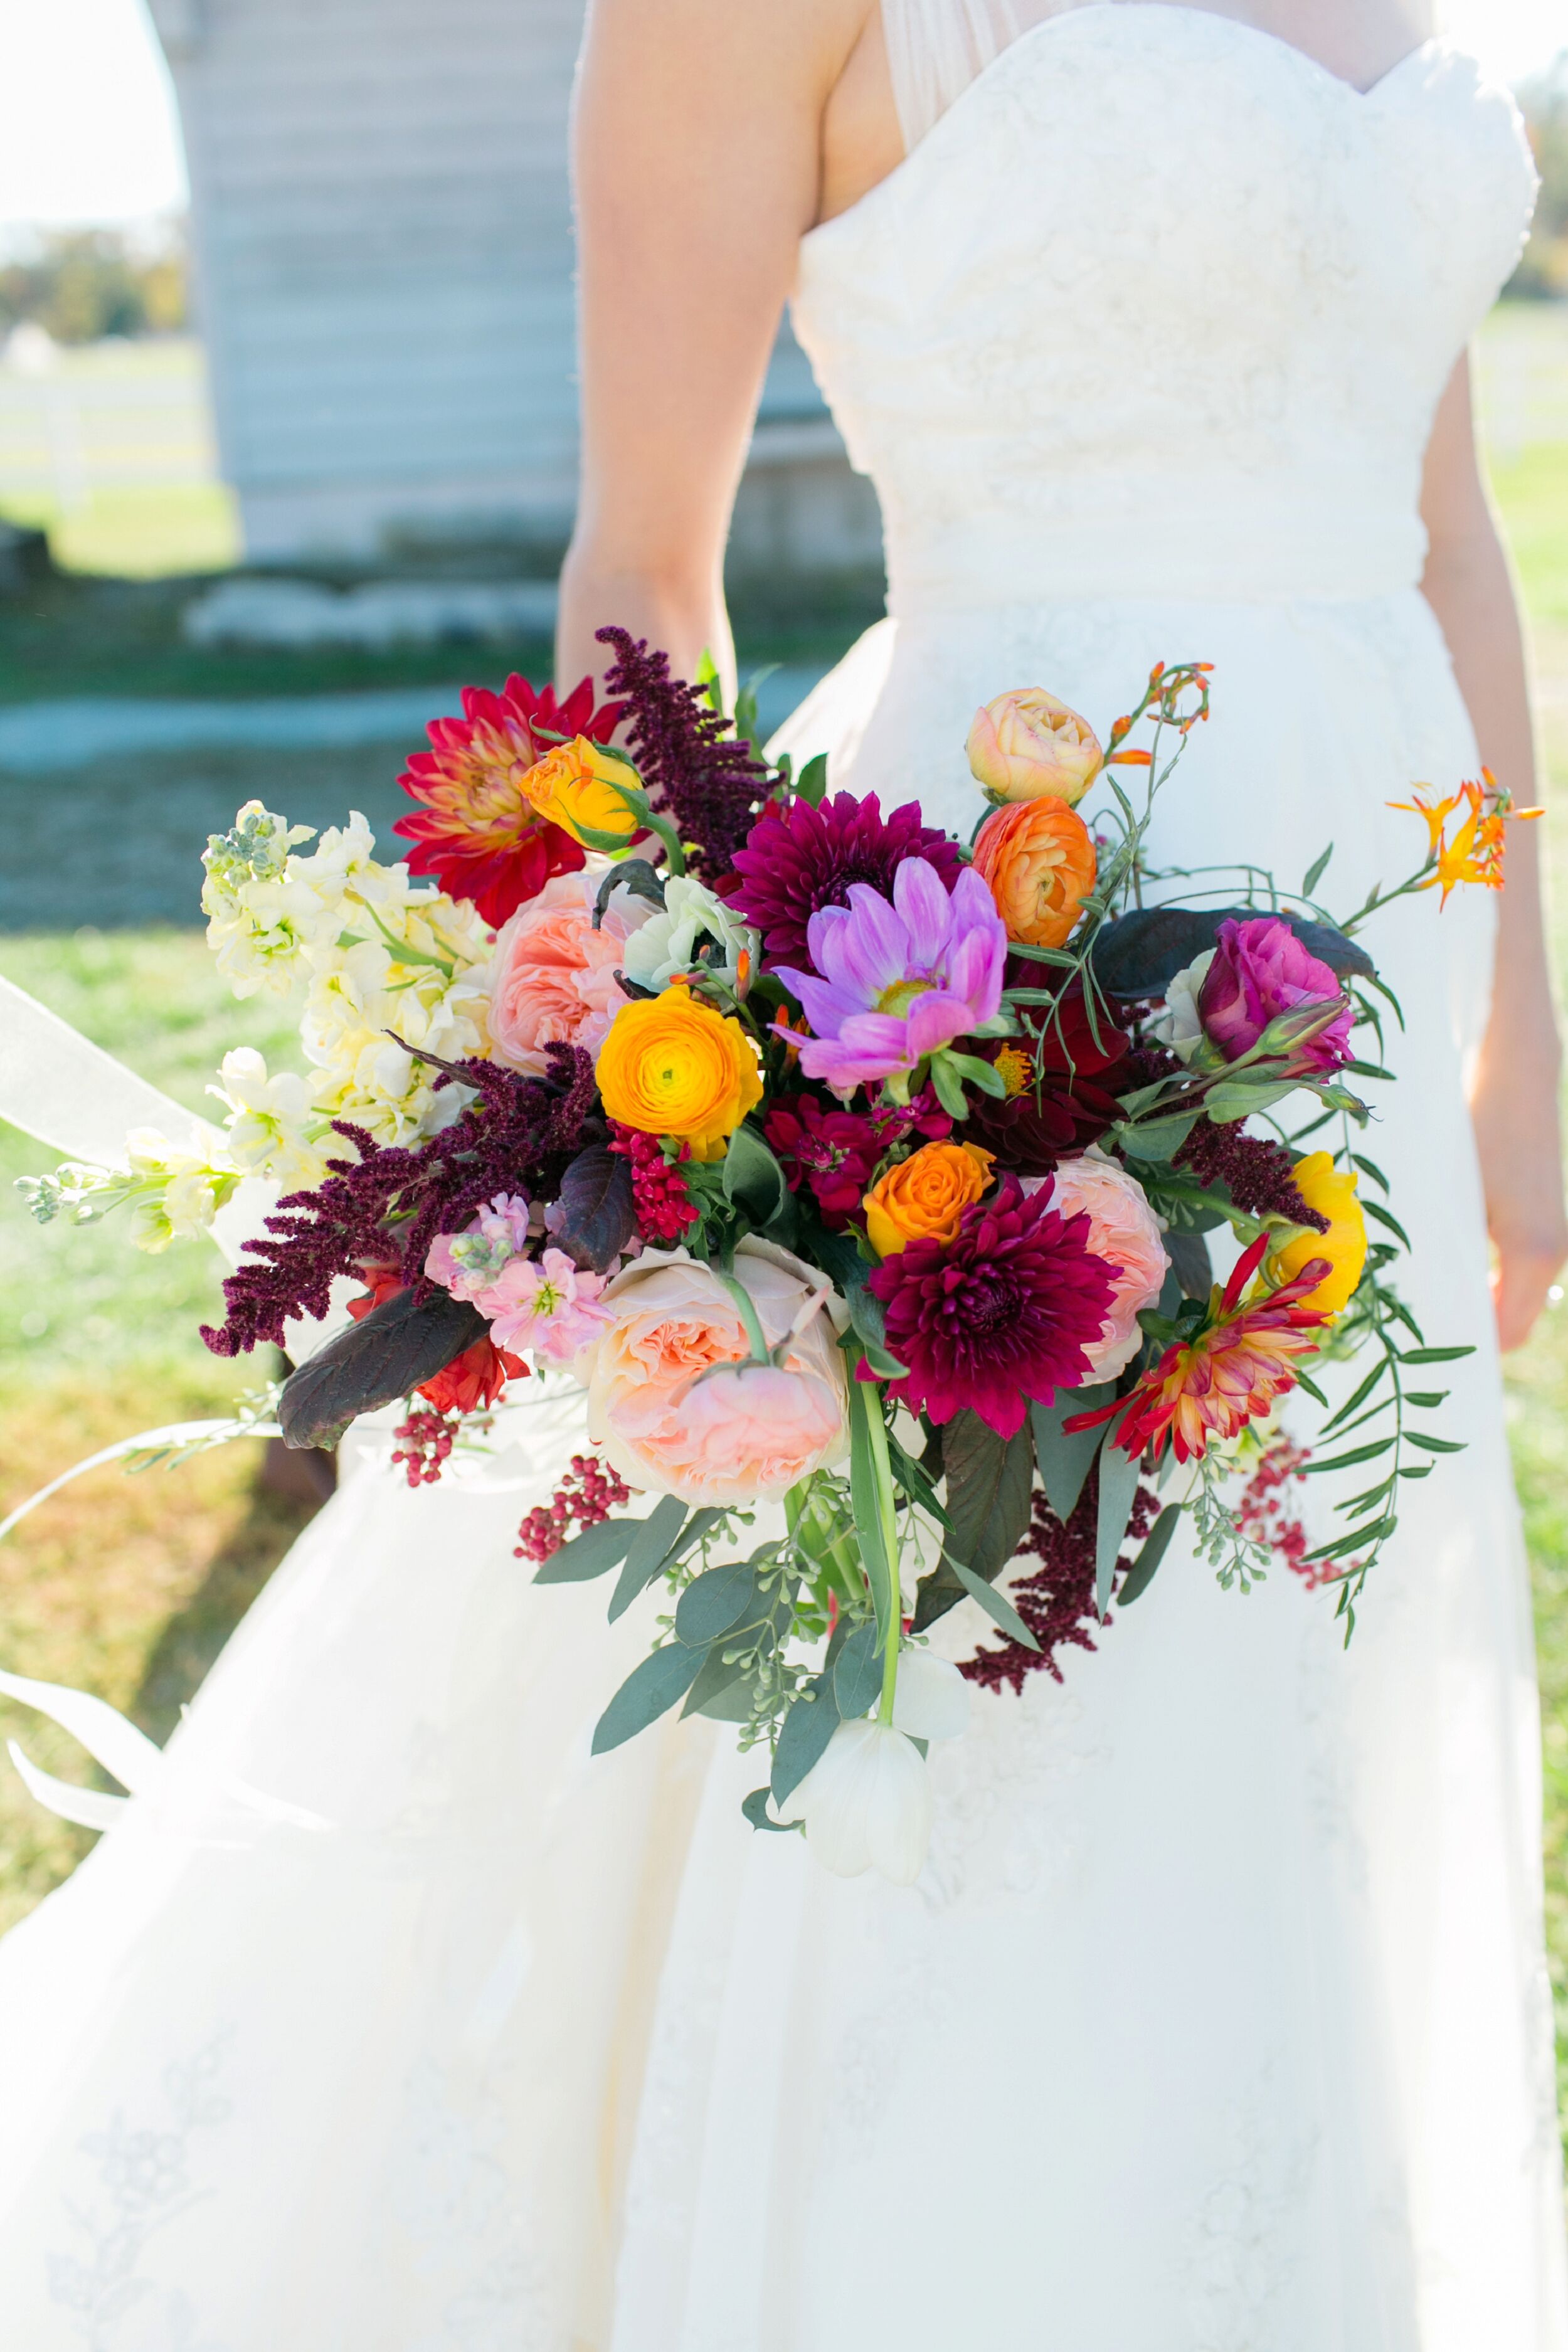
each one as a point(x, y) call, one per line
point(1028, 743)
point(554, 975)
point(741, 1435)
point(1124, 1231)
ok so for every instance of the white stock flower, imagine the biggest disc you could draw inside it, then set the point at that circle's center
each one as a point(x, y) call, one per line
point(1180, 1027)
point(173, 1195)
point(270, 1119)
point(668, 942)
point(867, 1803)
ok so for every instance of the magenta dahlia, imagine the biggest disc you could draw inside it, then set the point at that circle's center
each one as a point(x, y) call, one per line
point(798, 858)
point(1002, 1315)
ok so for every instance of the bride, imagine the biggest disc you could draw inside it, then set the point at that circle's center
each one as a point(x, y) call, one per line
point(386, 2018)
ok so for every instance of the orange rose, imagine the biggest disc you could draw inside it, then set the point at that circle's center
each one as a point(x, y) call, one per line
point(924, 1198)
point(1038, 861)
point(1028, 743)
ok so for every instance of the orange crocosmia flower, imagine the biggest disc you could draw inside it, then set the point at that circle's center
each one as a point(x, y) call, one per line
point(1239, 1361)
point(1476, 852)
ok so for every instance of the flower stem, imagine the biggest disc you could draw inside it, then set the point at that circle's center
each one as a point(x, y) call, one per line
point(882, 1472)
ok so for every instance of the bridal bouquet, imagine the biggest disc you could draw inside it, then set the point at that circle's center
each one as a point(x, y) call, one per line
point(862, 1176)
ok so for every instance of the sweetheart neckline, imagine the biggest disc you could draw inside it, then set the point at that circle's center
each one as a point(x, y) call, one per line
point(1350, 91)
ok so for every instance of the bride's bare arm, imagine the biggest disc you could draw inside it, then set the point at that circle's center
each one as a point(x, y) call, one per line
point(700, 162)
point(1514, 1106)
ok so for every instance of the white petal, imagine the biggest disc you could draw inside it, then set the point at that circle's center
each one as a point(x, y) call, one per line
point(931, 1701)
point(867, 1803)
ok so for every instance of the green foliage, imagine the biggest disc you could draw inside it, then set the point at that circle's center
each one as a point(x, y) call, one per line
point(82, 285)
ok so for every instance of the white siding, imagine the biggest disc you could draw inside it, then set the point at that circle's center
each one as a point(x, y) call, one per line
point(383, 252)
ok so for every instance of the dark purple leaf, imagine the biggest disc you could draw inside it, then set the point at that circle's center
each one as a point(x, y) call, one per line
point(596, 1218)
point(394, 1348)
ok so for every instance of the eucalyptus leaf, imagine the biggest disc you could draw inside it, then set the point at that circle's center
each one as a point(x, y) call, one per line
point(804, 1736)
point(593, 1553)
point(990, 1482)
point(1140, 1575)
point(1065, 1462)
point(650, 1547)
point(858, 1676)
point(722, 1690)
point(650, 1690)
point(755, 1808)
point(1189, 1256)
point(1118, 1485)
point(996, 1605)
point(717, 1601)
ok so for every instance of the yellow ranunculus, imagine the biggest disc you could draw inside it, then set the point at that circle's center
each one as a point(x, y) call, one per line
point(671, 1066)
point(574, 786)
point(1333, 1193)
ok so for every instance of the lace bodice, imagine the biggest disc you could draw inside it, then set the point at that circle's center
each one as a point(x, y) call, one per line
point(937, 48)
point(1161, 306)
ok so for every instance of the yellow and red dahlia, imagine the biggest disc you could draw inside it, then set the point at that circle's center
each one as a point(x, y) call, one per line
point(478, 829)
point(1232, 1370)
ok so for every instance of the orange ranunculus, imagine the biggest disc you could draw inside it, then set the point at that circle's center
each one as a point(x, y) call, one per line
point(924, 1197)
point(671, 1066)
point(1038, 861)
point(574, 787)
point(1028, 743)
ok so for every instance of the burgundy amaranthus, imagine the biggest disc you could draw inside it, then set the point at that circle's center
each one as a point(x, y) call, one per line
point(1261, 1175)
point(799, 859)
point(692, 768)
point(588, 1493)
point(663, 1206)
point(393, 1200)
point(1004, 1314)
point(1056, 1601)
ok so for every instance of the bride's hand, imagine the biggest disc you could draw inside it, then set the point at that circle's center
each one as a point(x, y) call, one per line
point(1514, 1109)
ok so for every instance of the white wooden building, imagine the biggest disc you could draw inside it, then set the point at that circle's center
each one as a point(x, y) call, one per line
point(382, 247)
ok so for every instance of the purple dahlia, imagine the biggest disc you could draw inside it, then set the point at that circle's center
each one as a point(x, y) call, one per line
point(899, 982)
point(1002, 1315)
point(798, 858)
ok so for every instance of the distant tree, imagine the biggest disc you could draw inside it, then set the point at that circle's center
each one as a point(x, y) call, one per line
point(1543, 272)
point(84, 284)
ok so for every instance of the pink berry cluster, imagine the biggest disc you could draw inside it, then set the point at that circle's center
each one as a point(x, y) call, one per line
point(664, 1207)
point(425, 1440)
point(1264, 1503)
point(589, 1493)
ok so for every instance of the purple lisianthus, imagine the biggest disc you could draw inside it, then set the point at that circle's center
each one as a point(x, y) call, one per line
point(798, 858)
point(1260, 969)
point(899, 982)
point(1005, 1313)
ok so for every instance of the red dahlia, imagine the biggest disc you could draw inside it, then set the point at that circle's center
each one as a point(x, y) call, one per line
point(477, 831)
point(1001, 1316)
point(798, 858)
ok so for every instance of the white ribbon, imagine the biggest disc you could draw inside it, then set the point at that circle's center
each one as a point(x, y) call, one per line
point(57, 1085)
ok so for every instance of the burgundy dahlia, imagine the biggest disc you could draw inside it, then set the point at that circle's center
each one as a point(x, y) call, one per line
point(834, 1152)
point(798, 859)
point(1002, 1315)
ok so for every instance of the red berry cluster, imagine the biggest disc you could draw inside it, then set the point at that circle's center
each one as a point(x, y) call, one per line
point(664, 1207)
point(425, 1441)
point(589, 1493)
point(1265, 1500)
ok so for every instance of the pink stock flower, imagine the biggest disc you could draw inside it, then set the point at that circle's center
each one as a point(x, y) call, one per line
point(1124, 1232)
point(463, 1262)
point(544, 1303)
point(900, 981)
point(1259, 971)
point(554, 975)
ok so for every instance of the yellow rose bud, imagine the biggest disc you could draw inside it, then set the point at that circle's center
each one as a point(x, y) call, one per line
point(672, 1066)
point(1333, 1193)
point(924, 1197)
point(1028, 743)
point(574, 787)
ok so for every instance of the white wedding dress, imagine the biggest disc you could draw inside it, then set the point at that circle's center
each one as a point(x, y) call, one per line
point(386, 2019)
